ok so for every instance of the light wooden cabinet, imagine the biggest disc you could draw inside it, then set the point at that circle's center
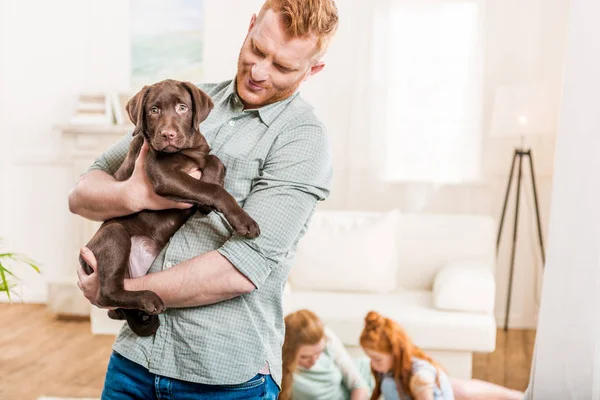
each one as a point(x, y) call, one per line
point(81, 145)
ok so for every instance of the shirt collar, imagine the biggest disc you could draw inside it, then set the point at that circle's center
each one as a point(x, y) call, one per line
point(266, 113)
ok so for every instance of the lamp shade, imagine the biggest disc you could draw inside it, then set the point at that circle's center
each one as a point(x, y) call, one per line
point(522, 111)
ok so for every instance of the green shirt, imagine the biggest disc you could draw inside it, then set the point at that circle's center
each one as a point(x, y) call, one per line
point(278, 163)
point(334, 375)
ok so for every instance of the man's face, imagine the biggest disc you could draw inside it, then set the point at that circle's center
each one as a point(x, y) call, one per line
point(271, 65)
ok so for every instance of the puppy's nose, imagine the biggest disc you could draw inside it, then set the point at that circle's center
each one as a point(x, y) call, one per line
point(168, 135)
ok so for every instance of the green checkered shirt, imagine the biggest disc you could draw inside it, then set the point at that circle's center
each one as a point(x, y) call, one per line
point(278, 163)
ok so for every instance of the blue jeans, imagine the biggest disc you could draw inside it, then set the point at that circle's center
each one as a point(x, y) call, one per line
point(127, 380)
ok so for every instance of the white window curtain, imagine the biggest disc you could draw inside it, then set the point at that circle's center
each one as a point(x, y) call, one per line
point(427, 89)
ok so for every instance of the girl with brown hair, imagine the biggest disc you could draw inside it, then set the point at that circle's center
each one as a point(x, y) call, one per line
point(316, 365)
point(402, 370)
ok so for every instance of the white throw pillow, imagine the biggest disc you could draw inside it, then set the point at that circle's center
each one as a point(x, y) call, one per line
point(347, 252)
point(465, 286)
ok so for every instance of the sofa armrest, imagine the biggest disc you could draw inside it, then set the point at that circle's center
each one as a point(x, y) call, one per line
point(465, 286)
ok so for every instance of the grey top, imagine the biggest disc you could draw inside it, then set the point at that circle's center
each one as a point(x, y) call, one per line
point(389, 389)
point(278, 163)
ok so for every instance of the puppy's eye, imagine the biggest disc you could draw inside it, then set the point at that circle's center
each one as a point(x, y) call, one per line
point(182, 108)
point(154, 110)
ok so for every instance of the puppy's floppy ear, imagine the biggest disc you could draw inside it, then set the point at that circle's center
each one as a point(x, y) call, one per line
point(135, 109)
point(202, 103)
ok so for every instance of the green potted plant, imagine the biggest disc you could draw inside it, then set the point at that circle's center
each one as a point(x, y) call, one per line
point(8, 262)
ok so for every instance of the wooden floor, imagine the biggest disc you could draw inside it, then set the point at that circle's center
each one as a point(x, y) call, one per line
point(509, 365)
point(42, 356)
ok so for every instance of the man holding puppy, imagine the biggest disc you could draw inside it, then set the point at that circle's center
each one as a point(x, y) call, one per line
point(222, 332)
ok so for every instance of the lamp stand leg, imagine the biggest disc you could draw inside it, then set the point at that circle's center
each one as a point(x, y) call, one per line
point(514, 241)
point(510, 178)
point(537, 209)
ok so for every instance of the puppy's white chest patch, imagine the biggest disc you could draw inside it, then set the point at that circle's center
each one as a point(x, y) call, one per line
point(143, 253)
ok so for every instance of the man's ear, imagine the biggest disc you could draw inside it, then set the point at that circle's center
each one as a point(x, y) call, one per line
point(135, 109)
point(252, 22)
point(315, 69)
point(202, 104)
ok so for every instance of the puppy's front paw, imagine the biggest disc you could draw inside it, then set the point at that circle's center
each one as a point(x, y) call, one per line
point(244, 225)
point(151, 303)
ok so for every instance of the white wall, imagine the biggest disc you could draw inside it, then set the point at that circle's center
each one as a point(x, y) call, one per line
point(49, 53)
point(227, 20)
point(84, 46)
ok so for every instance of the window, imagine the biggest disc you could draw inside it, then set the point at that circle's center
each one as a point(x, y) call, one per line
point(428, 78)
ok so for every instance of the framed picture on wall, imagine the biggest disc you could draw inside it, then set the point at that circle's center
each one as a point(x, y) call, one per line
point(167, 41)
point(93, 109)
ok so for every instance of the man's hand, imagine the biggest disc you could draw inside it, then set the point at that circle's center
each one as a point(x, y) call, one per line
point(141, 190)
point(89, 284)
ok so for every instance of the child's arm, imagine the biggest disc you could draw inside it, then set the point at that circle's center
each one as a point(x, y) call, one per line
point(421, 385)
point(351, 378)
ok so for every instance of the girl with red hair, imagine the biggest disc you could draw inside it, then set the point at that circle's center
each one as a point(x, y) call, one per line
point(402, 371)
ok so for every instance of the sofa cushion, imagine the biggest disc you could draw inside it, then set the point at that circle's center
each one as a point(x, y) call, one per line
point(429, 328)
point(465, 286)
point(427, 242)
point(347, 252)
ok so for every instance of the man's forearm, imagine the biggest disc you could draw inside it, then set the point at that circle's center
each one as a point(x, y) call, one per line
point(206, 279)
point(99, 197)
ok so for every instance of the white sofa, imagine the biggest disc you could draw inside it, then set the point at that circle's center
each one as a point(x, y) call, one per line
point(434, 274)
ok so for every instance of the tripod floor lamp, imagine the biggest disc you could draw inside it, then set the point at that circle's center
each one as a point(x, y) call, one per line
point(520, 111)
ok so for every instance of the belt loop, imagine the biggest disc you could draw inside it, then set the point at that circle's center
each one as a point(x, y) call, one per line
point(157, 387)
point(163, 387)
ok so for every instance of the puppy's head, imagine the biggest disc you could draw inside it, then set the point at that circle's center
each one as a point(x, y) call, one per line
point(169, 114)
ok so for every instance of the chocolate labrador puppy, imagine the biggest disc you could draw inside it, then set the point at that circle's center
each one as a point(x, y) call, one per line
point(167, 115)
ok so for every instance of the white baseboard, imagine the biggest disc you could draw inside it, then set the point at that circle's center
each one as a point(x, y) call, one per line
point(518, 321)
point(65, 298)
point(25, 295)
point(101, 324)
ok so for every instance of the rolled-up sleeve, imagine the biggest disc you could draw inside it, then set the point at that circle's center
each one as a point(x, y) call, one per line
point(296, 174)
point(113, 157)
